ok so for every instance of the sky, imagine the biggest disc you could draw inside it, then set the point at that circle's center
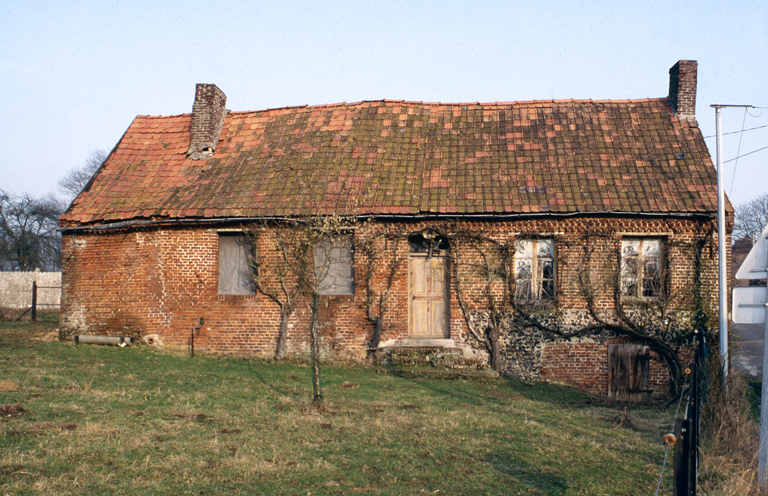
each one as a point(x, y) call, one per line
point(74, 74)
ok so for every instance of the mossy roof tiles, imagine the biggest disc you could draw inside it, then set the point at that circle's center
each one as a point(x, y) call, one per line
point(410, 158)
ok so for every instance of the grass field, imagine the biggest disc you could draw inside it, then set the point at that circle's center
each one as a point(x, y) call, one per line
point(106, 420)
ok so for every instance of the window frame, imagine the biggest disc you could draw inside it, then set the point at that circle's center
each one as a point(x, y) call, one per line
point(342, 269)
point(641, 279)
point(538, 278)
point(244, 269)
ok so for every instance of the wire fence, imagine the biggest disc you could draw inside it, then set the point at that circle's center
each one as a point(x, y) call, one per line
point(32, 310)
point(684, 432)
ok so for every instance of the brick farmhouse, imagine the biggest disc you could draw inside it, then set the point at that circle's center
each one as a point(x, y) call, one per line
point(572, 241)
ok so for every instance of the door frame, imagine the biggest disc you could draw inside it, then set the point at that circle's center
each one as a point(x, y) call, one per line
point(442, 254)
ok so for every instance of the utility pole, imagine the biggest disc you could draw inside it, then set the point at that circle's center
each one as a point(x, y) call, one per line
point(722, 280)
point(756, 271)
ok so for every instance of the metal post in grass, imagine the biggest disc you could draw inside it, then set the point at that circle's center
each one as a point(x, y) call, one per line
point(194, 330)
point(317, 390)
point(34, 301)
point(693, 418)
point(682, 460)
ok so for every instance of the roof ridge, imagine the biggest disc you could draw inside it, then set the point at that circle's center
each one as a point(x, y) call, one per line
point(429, 104)
point(423, 103)
point(162, 116)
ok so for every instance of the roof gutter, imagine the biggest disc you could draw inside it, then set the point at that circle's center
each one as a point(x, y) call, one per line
point(138, 224)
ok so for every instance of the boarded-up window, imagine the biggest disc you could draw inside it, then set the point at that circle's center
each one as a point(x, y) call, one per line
point(334, 266)
point(234, 265)
point(534, 269)
point(641, 267)
point(628, 369)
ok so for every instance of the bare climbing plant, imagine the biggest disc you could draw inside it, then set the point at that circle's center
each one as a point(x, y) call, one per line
point(493, 262)
point(376, 246)
point(296, 274)
point(664, 322)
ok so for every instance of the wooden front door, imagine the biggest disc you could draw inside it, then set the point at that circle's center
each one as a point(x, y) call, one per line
point(429, 296)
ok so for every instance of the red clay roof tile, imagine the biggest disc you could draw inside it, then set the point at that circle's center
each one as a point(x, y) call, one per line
point(410, 158)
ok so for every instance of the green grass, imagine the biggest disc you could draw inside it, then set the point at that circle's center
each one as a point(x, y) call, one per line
point(105, 420)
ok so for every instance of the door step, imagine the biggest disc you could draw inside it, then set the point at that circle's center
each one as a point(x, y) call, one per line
point(415, 360)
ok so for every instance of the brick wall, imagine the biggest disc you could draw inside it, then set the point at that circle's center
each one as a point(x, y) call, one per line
point(162, 281)
point(583, 364)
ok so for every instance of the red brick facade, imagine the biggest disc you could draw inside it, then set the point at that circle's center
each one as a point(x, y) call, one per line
point(162, 280)
point(534, 235)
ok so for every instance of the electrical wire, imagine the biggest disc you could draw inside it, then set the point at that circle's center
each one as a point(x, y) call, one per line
point(748, 153)
point(738, 150)
point(742, 131)
point(663, 466)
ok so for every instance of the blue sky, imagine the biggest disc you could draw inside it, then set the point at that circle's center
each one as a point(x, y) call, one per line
point(74, 74)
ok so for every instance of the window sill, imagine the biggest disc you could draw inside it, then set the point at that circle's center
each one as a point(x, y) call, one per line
point(638, 301)
point(536, 304)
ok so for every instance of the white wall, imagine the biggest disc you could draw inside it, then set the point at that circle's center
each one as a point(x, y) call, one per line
point(16, 289)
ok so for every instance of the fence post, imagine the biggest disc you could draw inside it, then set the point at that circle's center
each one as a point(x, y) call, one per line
point(693, 427)
point(682, 461)
point(34, 301)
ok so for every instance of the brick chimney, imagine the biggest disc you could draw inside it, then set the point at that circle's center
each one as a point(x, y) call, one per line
point(682, 89)
point(208, 114)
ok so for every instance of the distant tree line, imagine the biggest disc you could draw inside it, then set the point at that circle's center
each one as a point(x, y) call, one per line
point(751, 218)
point(29, 235)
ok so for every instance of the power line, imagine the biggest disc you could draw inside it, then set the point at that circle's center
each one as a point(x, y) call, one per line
point(738, 150)
point(737, 132)
point(748, 153)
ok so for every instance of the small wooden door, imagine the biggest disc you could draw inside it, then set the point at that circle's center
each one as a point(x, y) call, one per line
point(628, 367)
point(429, 296)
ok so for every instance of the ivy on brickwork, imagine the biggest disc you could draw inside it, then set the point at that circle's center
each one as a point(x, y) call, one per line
point(664, 320)
point(503, 321)
point(516, 289)
point(493, 262)
point(378, 246)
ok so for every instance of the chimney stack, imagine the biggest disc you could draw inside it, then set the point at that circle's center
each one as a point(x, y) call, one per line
point(208, 114)
point(682, 89)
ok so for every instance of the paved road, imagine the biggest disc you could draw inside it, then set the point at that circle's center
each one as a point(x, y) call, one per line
point(747, 348)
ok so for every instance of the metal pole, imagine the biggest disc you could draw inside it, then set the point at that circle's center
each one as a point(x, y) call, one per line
point(723, 286)
point(34, 301)
point(693, 417)
point(722, 246)
point(762, 454)
point(682, 462)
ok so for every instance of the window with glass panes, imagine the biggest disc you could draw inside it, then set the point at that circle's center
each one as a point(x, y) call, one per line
point(641, 267)
point(534, 270)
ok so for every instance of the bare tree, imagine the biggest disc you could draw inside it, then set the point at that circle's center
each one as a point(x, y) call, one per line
point(28, 236)
point(751, 218)
point(303, 268)
point(77, 177)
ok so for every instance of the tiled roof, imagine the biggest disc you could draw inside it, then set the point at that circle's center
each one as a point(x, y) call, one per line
point(410, 158)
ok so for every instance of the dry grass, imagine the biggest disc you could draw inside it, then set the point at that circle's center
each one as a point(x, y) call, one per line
point(729, 447)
